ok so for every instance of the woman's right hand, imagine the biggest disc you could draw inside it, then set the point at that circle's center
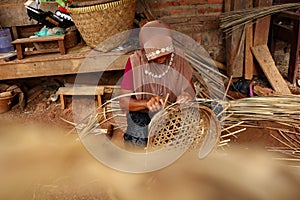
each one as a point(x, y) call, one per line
point(155, 104)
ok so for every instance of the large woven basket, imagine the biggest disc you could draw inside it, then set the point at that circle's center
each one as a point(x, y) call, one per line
point(97, 23)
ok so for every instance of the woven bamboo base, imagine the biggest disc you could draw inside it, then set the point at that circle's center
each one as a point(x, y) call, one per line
point(183, 127)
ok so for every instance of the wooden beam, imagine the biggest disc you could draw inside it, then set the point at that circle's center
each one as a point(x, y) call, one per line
point(57, 64)
point(267, 64)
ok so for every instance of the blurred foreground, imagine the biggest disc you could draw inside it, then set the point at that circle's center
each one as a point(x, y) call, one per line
point(38, 162)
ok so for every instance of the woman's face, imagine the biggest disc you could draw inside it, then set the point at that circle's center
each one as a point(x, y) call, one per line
point(161, 60)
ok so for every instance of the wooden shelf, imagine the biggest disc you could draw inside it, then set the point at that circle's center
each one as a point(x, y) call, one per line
point(81, 60)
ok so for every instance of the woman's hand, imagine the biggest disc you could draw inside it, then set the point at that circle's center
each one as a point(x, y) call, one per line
point(155, 104)
point(184, 98)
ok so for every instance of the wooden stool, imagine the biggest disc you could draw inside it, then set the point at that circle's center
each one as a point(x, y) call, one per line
point(80, 90)
point(20, 47)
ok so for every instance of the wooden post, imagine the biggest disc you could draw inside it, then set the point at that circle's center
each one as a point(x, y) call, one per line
point(235, 44)
point(249, 65)
point(62, 101)
point(62, 47)
point(15, 33)
point(20, 51)
point(99, 100)
point(294, 53)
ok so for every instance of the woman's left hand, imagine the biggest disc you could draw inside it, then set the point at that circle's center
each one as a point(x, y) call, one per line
point(184, 98)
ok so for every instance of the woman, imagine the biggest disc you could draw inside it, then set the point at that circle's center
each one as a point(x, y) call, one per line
point(158, 68)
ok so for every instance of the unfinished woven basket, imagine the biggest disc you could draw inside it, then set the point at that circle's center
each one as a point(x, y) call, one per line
point(184, 128)
point(97, 23)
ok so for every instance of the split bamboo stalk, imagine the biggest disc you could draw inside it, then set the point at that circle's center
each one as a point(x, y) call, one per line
point(230, 21)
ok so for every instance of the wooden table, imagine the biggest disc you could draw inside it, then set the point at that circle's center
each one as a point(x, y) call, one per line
point(79, 61)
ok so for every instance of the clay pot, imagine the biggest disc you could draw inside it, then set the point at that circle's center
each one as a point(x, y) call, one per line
point(5, 103)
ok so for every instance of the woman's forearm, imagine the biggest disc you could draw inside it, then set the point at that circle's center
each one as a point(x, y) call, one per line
point(132, 104)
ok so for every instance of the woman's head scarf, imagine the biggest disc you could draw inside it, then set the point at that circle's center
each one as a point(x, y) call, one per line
point(156, 39)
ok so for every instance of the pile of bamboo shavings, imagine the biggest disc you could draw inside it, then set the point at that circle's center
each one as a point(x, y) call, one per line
point(235, 19)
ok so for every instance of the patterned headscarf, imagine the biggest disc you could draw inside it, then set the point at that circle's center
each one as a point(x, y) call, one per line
point(156, 39)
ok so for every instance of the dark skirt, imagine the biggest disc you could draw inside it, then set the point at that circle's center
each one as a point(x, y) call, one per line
point(137, 128)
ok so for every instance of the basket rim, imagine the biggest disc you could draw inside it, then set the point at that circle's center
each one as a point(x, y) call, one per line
point(98, 7)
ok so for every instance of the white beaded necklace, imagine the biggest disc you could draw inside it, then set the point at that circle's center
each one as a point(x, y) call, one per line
point(148, 73)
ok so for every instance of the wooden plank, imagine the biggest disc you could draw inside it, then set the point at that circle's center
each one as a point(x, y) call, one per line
point(39, 39)
point(56, 64)
point(227, 5)
point(235, 49)
point(25, 31)
point(35, 52)
point(82, 90)
point(261, 30)
point(249, 65)
point(262, 26)
point(107, 88)
point(267, 64)
point(291, 15)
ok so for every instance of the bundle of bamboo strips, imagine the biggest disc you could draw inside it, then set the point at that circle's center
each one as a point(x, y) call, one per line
point(283, 110)
point(290, 147)
point(206, 73)
point(234, 19)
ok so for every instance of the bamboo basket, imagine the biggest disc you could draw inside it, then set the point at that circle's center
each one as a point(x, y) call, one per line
point(189, 127)
point(97, 23)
